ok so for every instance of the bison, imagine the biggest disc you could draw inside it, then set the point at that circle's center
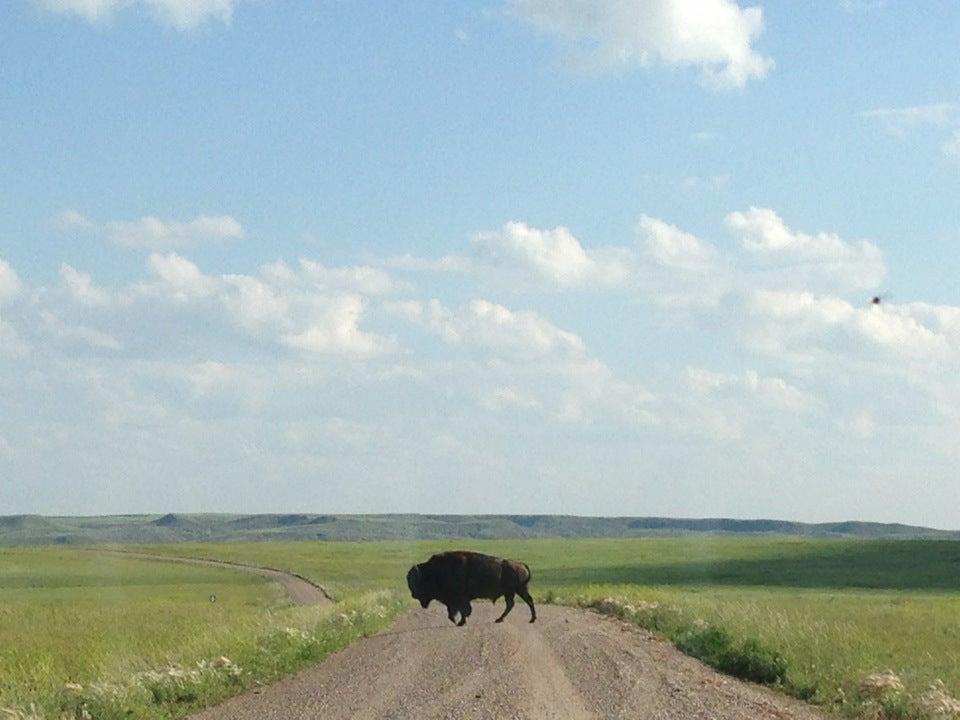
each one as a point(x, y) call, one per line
point(455, 578)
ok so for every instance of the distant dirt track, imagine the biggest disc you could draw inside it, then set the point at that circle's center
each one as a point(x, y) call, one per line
point(301, 590)
point(569, 665)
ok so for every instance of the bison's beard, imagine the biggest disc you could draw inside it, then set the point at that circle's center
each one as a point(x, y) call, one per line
point(424, 602)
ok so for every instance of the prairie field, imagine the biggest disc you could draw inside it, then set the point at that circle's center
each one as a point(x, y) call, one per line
point(829, 611)
point(128, 630)
point(833, 610)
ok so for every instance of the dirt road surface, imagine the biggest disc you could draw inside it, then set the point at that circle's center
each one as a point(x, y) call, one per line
point(570, 665)
point(300, 590)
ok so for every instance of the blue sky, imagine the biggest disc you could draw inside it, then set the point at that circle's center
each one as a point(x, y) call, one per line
point(608, 257)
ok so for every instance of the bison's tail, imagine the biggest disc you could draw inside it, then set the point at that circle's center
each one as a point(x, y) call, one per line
point(529, 574)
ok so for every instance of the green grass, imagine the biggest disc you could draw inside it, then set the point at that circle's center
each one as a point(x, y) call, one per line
point(114, 625)
point(831, 611)
point(814, 616)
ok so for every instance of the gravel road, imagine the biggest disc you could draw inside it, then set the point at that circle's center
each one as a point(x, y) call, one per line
point(570, 664)
point(300, 590)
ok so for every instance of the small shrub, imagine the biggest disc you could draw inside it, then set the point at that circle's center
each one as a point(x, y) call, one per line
point(752, 661)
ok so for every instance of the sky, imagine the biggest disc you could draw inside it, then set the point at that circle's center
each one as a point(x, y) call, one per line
point(596, 257)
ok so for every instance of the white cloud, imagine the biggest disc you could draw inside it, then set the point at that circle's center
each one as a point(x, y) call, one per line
point(178, 278)
point(705, 136)
point(188, 14)
point(492, 327)
point(715, 35)
point(803, 326)
point(711, 183)
point(81, 288)
point(73, 220)
point(670, 246)
point(552, 256)
point(899, 120)
point(11, 344)
point(69, 334)
point(156, 234)
point(809, 259)
point(502, 398)
point(447, 263)
point(153, 233)
point(681, 270)
point(335, 331)
point(777, 392)
point(179, 14)
point(861, 425)
point(951, 146)
point(93, 11)
point(10, 284)
point(362, 279)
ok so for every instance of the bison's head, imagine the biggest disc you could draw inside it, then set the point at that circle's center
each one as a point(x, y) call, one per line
point(418, 589)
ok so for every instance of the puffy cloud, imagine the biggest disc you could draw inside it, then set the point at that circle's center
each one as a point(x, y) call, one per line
point(804, 326)
point(70, 334)
point(777, 392)
point(670, 246)
point(179, 14)
point(335, 331)
point(553, 256)
point(810, 260)
point(771, 391)
point(178, 278)
point(152, 233)
point(362, 279)
point(10, 284)
point(178, 308)
point(715, 35)
point(532, 364)
point(12, 345)
point(81, 288)
point(680, 269)
point(491, 327)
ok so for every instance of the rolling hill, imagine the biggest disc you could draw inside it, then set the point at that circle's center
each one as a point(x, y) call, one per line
point(208, 527)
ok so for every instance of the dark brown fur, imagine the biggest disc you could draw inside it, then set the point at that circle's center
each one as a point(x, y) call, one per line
point(457, 577)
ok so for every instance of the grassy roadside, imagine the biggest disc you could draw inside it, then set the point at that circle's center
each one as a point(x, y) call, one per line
point(811, 648)
point(87, 635)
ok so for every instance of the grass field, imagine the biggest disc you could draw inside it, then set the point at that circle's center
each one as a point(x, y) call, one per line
point(834, 611)
point(831, 612)
point(143, 639)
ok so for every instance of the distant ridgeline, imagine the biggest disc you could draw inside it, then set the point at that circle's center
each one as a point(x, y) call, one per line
point(171, 528)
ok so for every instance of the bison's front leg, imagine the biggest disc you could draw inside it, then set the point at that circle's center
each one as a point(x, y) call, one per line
point(452, 610)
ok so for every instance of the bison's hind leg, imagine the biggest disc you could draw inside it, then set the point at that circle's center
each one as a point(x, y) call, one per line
point(509, 598)
point(529, 601)
point(465, 612)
